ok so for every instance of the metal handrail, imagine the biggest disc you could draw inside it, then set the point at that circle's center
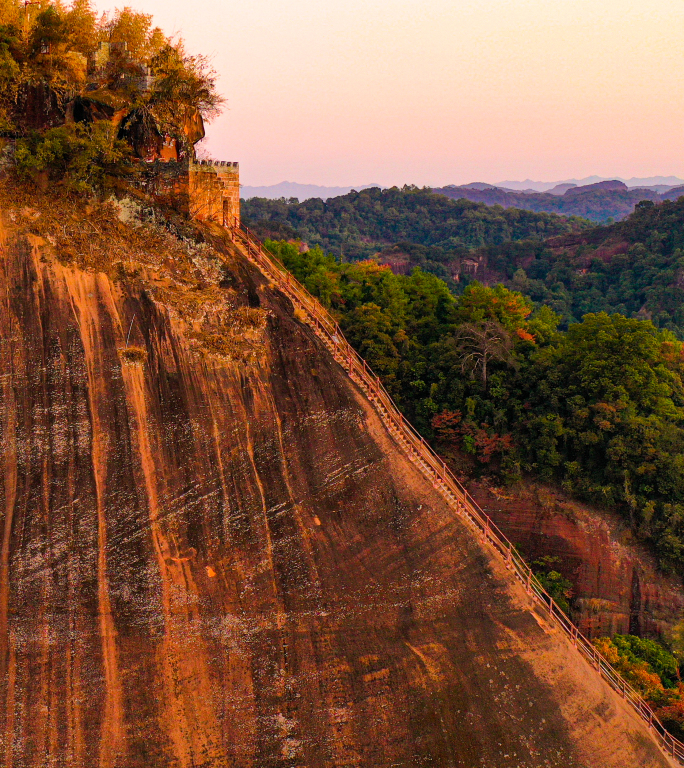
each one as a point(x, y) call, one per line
point(436, 470)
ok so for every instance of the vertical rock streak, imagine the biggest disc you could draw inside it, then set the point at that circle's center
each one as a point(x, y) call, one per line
point(9, 476)
point(89, 323)
point(188, 696)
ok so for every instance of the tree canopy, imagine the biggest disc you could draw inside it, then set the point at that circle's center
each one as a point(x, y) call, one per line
point(598, 409)
point(61, 65)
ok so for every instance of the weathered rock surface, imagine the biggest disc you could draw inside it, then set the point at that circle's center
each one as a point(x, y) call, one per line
point(212, 563)
point(617, 585)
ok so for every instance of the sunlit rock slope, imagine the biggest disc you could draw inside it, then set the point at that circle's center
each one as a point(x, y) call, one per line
point(212, 554)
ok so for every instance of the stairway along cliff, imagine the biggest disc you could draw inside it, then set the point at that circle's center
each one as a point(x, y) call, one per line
point(212, 551)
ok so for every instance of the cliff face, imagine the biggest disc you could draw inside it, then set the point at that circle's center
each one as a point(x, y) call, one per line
point(212, 554)
point(617, 585)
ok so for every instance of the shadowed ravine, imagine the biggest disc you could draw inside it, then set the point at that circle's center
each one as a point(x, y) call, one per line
point(213, 563)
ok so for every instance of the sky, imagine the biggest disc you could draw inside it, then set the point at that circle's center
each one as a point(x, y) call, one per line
point(435, 92)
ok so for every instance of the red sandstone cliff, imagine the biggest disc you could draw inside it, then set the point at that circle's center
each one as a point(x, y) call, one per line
point(618, 586)
point(213, 554)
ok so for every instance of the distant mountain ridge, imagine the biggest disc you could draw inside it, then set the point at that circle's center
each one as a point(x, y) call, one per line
point(600, 201)
point(546, 186)
point(289, 189)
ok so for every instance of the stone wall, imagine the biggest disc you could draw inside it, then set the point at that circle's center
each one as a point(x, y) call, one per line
point(214, 191)
point(168, 181)
point(206, 190)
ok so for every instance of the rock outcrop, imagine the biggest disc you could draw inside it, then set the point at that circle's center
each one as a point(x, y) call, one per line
point(617, 585)
point(212, 553)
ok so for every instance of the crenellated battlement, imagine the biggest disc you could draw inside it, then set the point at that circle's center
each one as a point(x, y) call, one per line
point(209, 164)
point(208, 190)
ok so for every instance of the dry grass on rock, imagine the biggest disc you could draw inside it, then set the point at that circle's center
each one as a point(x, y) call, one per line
point(133, 355)
point(161, 254)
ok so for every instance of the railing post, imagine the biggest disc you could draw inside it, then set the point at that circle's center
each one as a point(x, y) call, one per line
point(486, 531)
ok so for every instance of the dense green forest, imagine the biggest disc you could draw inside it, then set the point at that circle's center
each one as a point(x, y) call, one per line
point(634, 267)
point(359, 224)
point(489, 378)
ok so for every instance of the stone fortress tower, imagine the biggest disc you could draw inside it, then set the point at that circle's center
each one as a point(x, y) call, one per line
point(207, 190)
point(214, 191)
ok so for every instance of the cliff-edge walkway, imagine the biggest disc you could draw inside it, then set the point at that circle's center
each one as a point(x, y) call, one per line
point(437, 472)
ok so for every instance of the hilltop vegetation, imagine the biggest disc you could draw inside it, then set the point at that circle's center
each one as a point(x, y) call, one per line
point(634, 267)
point(80, 94)
point(359, 224)
point(597, 409)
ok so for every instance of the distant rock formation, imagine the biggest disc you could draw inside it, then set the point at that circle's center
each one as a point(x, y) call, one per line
point(610, 186)
point(561, 189)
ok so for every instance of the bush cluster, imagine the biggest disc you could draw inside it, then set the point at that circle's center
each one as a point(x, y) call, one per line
point(653, 671)
point(65, 104)
point(83, 155)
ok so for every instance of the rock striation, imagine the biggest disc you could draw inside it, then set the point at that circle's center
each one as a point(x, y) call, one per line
point(219, 558)
point(617, 584)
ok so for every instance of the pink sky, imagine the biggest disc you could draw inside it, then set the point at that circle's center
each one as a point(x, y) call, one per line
point(342, 92)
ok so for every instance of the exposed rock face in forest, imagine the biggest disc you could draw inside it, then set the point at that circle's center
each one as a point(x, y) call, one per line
point(617, 585)
point(212, 553)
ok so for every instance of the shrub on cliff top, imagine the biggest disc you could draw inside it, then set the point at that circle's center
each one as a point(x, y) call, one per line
point(81, 156)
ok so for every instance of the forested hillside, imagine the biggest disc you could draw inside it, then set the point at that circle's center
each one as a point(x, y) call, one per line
point(634, 267)
point(598, 409)
point(359, 224)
